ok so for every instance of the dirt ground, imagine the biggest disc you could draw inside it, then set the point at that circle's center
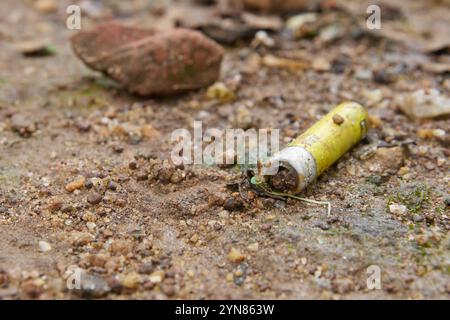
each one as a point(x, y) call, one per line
point(140, 228)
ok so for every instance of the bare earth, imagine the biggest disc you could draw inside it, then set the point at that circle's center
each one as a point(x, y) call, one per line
point(159, 232)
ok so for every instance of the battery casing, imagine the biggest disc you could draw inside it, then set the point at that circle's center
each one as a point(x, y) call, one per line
point(314, 151)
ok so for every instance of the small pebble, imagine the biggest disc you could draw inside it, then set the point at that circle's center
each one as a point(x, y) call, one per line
point(235, 256)
point(75, 185)
point(94, 198)
point(88, 184)
point(44, 246)
point(112, 186)
point(157, 276)
point(397, 209)
point(232, 204)
point(132, 165)
point(131, 280)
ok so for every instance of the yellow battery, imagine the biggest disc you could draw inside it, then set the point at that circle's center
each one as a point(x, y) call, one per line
point(314, 151)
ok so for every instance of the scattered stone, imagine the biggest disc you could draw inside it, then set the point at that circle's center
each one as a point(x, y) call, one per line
point(35, 48)
point(112, 185)
point(232, 204)
point(383, 77)
point(243, 118)
point(92, 286)
point(132, 165)
point(424, 104)
point(88, 184)
point(75, 185)
point(386, 160)
point(447, 201)
point(397, 209)
point(79, 239)
point(122, 247)
point(253, 247)
point(91, 226)
point(272, 61)
point(169, 289)
point(266, 227)
point(157, 276)
point(44, 246)
point(98, 260)
point(132, 280)
point(31, 289)
point(342, 286)
point(235, 256)
point(162, 62)
point(224, 214)
point(375, 179)
point(240, 274)
point(142, 176)
point(46, 6)
point(178, 176)
point(277, 6)
point(219, 91)
point(194, 239)
point(54, 205)
point(322, 225)
point(148, 132)
point(302, 25)
point(4, 279)
point(94, 198)
point(22, 125)
point(321, 64)
point(262, 39)
point(115, 284)
point(146, 268)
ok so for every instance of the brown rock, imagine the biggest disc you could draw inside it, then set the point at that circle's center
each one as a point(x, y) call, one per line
point(46, 6)
point(121, 247)
point(278, 5)
point(386, 160)
point(76, 184)
point(235, 256)
point(146, 62)
point(94, 198)
point(31, 289)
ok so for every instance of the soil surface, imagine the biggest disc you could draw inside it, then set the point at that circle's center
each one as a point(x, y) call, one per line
point(86, 181)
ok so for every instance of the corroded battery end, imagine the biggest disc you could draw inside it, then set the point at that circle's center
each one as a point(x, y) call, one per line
point(296, 169)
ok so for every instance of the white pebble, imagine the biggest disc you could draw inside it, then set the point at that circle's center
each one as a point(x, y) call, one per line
point(44, 246)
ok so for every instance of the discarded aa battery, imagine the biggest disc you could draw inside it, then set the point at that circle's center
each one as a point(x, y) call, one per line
point(310, 154)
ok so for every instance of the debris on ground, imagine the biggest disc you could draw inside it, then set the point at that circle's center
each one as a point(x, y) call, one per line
point(424, 104)
point(36, 48)
point(149, 62)
point(93, 207)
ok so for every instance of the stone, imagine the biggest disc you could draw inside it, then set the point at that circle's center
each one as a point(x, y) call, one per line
point(146, 62)
point(424, 104)
point(92, 286)
point(131, 280)
point(157, 276)
point(397, 209)
point(44, 246)
point(94, 198)
point(76, 184)
point(46, 6)
point(235, 256)
point(22, 125)
point(386, 160)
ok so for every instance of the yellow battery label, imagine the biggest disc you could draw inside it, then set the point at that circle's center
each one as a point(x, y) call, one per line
point(333, 135)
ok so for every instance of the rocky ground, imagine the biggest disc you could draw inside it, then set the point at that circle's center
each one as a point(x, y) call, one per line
point(85, 180)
